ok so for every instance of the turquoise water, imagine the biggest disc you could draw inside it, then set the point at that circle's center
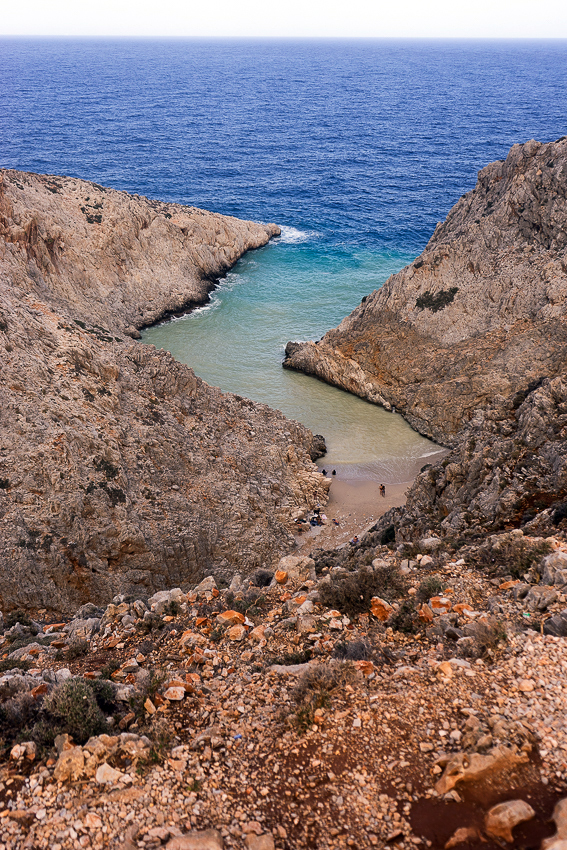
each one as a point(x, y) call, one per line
point(287, 290)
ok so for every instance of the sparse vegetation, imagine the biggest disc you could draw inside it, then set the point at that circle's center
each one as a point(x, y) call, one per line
point(73, 708)
point(316, 688)
point(436, 301)
point(431, 586)
point(351, 593)
point(511, 554)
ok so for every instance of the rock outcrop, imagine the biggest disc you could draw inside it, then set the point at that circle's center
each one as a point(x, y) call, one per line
point(507, 470)
point(120, 470)
point(479, 315)
point(120, 260)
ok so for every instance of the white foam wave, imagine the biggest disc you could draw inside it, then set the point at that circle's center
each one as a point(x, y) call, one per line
point(293, 236)
point(429, 454)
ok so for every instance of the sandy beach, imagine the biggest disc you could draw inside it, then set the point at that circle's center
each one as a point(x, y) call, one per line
point(356, 505)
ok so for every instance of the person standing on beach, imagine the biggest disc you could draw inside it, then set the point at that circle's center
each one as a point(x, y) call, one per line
point(383, 490)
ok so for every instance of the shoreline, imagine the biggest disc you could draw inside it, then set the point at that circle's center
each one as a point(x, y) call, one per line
point(356, 505)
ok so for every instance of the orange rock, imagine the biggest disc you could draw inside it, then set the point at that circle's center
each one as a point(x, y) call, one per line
point(237, 632)
point(506, 585)
point(40, 690)
point(380, 608)
point(285, 596)
point(440, 604)
point(281, 576)
point(201, 621)
point(501, 819)
point(258, 633)
point(461, 607)
point(365, 667)
point(425, 614)
point(230, 618)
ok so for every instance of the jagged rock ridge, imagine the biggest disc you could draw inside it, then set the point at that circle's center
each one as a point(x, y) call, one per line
point(120, 471)
point(480, 314)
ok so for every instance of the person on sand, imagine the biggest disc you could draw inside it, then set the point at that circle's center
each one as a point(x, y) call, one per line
point(383, 491)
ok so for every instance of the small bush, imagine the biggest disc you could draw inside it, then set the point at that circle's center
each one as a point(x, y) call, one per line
point(488, 636)
point(14, 617)
point(159, 734)
point(103, 694)
point(436, 301)
point(357, 650)
point(73, 706)
point(511, 554)
point(316, 687)
point(77, 649)
point(406, 619)
point(109, 668)
point(13, 664)
point(290, 658)
point(351, 593)
point(172, 608)
point(150, 623)
point(431, 586)
point(18, 711)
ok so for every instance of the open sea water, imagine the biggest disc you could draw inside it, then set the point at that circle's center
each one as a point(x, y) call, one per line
point(355, 148)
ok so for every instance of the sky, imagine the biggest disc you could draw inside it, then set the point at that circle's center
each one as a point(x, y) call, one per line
point(291, 18)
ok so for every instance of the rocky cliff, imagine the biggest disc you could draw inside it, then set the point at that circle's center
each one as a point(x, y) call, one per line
point(478, 316)
point(120, 471)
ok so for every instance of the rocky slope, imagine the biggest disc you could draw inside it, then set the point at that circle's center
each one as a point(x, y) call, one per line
point(404, 703)
point(120, 471)
point(478, 316)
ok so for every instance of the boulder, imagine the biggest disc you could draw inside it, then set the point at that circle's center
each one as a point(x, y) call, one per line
point(298, 568)
point(501, 819)
point(70, 765)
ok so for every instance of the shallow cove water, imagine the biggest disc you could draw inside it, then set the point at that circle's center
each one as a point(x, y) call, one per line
point(287, 290)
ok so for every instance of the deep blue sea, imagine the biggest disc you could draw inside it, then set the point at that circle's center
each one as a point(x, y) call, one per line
point(355, 148)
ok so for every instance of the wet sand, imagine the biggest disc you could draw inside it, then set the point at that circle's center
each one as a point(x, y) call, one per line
point(356, 504)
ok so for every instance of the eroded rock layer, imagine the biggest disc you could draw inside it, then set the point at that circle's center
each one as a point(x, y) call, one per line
point(478, 316)
point(120, 470)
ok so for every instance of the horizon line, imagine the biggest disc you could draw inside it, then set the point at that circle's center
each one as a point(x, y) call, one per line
point(170, 37)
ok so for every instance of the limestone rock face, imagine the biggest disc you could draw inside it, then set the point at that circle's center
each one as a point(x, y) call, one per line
point(108, 257)
point(479, 315)
point(120, 470)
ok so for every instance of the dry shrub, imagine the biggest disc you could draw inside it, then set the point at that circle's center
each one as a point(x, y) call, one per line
point(317, 686)
point(351, 593)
